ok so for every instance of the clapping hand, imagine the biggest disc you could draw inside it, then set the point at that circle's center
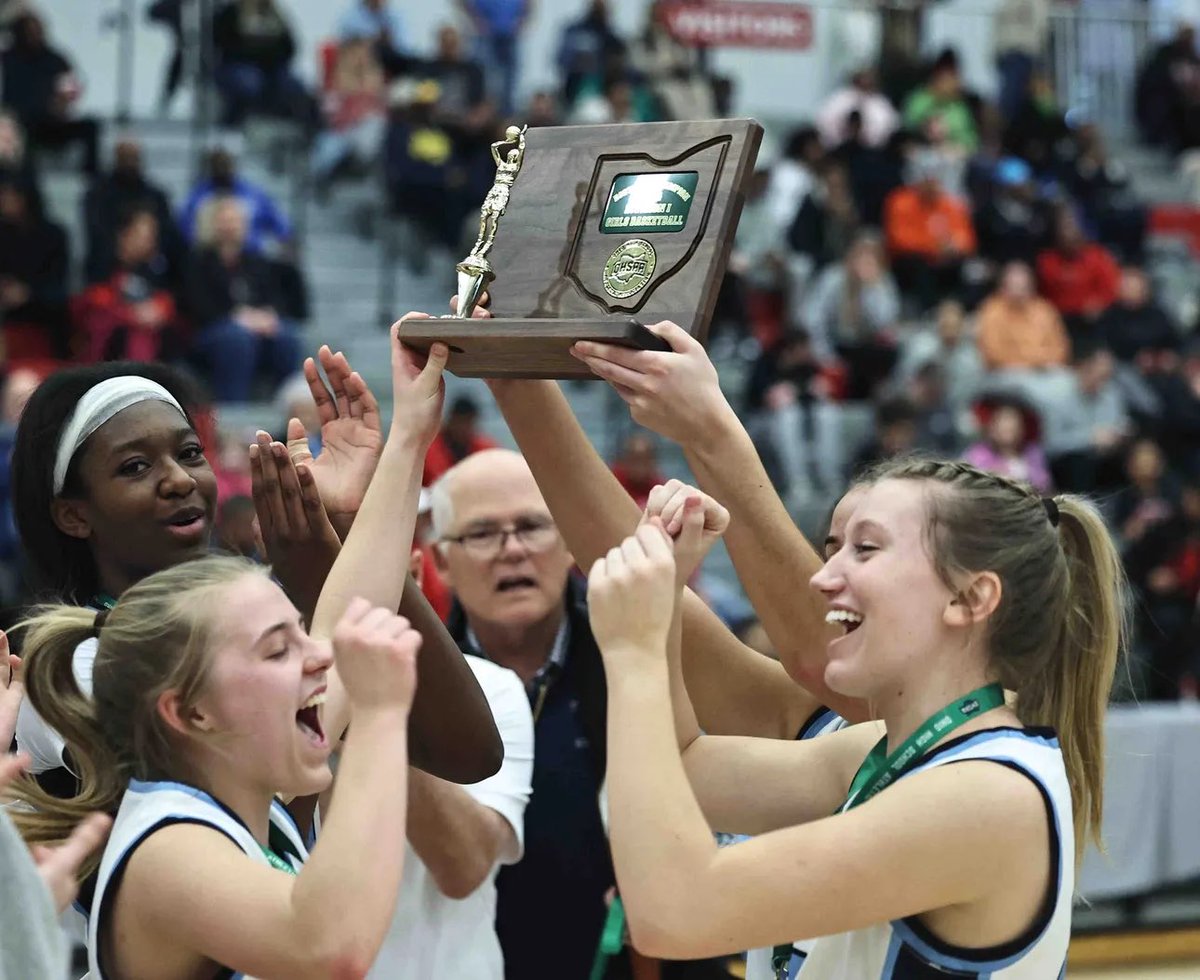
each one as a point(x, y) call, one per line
point(12, 692)
point(351, 437)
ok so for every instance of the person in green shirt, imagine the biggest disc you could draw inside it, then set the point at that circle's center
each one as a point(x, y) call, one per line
point(941, 99)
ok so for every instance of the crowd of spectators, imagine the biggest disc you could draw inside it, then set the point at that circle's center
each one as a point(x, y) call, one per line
point(971, 274)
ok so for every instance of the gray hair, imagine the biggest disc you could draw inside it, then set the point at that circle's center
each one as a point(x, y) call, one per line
point(441, 506)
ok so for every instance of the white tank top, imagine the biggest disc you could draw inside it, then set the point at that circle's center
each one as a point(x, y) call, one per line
point(758, 961)
point(905, 950)
point(147, 807)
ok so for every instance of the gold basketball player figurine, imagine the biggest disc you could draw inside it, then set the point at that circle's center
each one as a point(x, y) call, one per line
point(475, 272)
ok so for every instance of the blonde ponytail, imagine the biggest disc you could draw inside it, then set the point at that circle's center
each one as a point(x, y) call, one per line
point(1070, 690)
point(51, 635)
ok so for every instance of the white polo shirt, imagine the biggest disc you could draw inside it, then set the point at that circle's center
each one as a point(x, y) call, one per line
point(435, 936)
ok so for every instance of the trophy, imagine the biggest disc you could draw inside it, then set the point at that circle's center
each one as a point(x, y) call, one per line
point(589, 233)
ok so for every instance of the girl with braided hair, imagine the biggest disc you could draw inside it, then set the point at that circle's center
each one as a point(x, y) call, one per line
point(947, 845)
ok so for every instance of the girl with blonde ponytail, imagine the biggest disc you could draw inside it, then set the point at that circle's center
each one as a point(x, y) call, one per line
point(944, 841)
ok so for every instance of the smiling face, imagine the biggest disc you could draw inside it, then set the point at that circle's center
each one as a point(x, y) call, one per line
point(518, 584)
point(256, 722)
point(884, 591)
point(145, 496)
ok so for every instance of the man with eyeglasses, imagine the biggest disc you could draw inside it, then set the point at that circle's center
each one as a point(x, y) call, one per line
point(517, 604)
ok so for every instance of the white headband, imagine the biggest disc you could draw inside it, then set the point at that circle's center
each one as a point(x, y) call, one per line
point(99, 404)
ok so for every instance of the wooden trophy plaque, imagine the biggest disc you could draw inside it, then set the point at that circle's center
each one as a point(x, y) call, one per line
point(594, 231)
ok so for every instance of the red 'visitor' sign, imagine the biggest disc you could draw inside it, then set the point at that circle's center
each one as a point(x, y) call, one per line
point(730, 23)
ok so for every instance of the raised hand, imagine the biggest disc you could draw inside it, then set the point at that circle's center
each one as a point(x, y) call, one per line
point(59, 864)
point(676, 393)
point(375, 653)
point(631, 597)
point(351, 437)
point(692, 519)
point(295, 533)
point(12, 692)
point(418, 389)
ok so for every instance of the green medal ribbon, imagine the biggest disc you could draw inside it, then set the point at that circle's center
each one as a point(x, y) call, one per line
point(612, 938)
point(879, 770)
point(278, 863)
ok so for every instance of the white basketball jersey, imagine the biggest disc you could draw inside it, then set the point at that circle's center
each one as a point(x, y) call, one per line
point(758, 961)
point(150, 806)
point(906, 950)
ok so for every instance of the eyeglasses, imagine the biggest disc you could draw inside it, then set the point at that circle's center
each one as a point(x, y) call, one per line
point(533, 536)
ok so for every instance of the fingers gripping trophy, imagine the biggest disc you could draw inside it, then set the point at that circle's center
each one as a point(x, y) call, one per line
point(475, 272)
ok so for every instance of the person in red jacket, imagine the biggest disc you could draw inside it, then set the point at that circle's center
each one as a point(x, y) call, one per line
point(131, 314)
point(636, 469)
point(1081, 278)
point(458, 438)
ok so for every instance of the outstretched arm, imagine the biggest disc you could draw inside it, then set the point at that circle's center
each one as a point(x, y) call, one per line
point(735, 690)
point(677, 394)
point(454, 734)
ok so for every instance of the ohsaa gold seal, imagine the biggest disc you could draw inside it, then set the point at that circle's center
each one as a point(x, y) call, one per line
point(629, 268)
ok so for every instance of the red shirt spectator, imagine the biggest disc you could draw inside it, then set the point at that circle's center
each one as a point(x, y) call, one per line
point(456, 441)
point(127, 315)
point(636, 469)
point(1079, 277)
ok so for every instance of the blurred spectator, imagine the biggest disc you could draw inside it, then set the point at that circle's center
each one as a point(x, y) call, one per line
point(676, 73)
point(929, 234)
point(1175, 382)
point(18, 385)
point(1150, 496)
point(877, 117)
point(33, 270)
point(460, 79)
point(1038, 129)
point(949, 344)
point(355, 109)
point(267, 226)
point(895, 434)
point(852, 310)
point(586, 49)
point(16, 164)
point(795, 427)
point(1087, 426)
point(755, 279)
point(636, 468)
point(169, 13)
point(623, 99)
point(1101, 187)
point(255, 48)
point(1019, 38)
point(498, 25)
point(542, 111)
point(235, 298)
point(1166, 89)
point(41, 87)
point(113, 196)
point(794, 175)
point(874, 172)
point(378, 22)
point(937, 422)
point(1018, 330)
point(235, 527)
point(421, 171)
point(1014, 223)
point(1164, 567)
point(828, 220)
point(1135, 324)
point(131, 314)
point(1079, 277)
point(1010, 445)
point(232, 464)
point(458, 438)
point(941, 99)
